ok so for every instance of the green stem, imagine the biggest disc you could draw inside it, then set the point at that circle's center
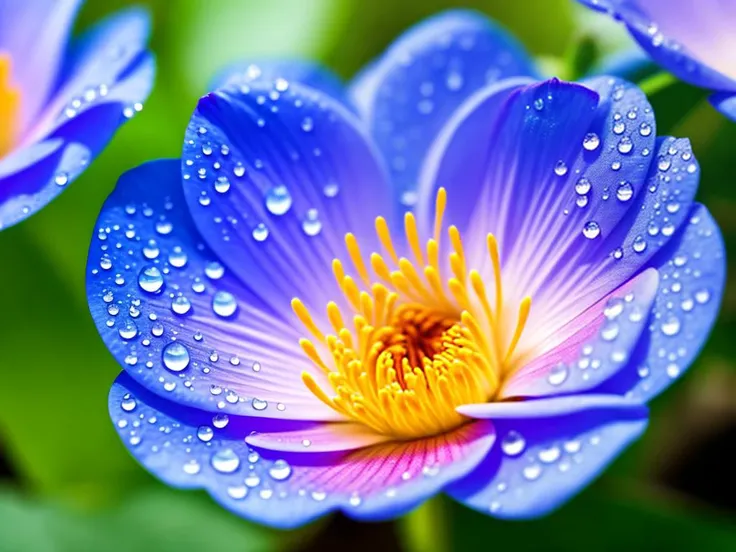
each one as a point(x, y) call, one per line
point(424, 529)
point(655, 83)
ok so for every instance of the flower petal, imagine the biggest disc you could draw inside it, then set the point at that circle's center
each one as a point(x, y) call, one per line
point(725, 102)
point(185, 448)
point(547, 407)
point(81, 119)
point(691, 40)
point(599, 345)
point(408, 95)
point(275, 177)
point(541, 462)
point(35, 33)
point(552, 178)
point(304, 72)
point(109, 64)
point(692, 272)
point(325, 437)
point(178, 321)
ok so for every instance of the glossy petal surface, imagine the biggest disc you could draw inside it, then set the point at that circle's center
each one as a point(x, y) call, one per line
point(274, 180)
point(264, 71)
point(186, 448)
point(692, 272)
point(177, 320)
point(408, 94)
point(540, 462)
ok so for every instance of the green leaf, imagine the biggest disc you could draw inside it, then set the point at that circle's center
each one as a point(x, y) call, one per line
point(160, 521)
point(595, 521)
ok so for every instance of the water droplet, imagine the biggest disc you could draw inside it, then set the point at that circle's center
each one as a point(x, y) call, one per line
point(259, 404)
point(582, 186)
point(225, 461)
point(609, 332)
point(278, 200)
point(625, 191)
point(311, 224)
point(205, 433)
point(671, 326)
point(280, 470)
point(150, 279)
point(513, 443)
point(175, 356)
point(220, 421)
point(614, 307)
point(591, 141)
point(532, 472)
point(560, 168)
point(558, 374)
point(192, 467)
point(61, 179)
point(639, 244)
point(307, 124)
point(645, 129)
point(260, 232)
point(591, 230)
point(237, 492)
point(625, 145)
point(549, 455)
point(224, 304)
point(128, 403)
point(702, 296)
point(222, 184)
point(128, 330)
point(181, 305)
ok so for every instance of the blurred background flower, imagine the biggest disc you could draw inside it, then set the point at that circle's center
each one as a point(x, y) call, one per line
point(61, 100)
point(69, 484)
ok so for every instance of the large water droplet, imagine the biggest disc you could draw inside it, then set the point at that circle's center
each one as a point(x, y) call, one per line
point(591, 141)
point(150, 279)
point(625, 191)
point(224, 304)
point(278, 200)
point(513, 443)
point(591, 230)
point(205, 433)
point(225, 461)
point(280, 470)
point(181, 305)
point(175, 356)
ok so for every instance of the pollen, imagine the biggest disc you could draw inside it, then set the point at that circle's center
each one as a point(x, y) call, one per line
point(417, 336)
point(9, 107)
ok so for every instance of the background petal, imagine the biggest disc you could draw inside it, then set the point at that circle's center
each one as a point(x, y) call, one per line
point(275, 176)
point(540, 463)
point(725, 102)
point(178, 321)
point(35, 33)
point(185, 448)
point(113, 74)
point(407, 95)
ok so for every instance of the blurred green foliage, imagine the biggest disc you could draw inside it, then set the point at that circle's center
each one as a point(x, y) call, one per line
point(78, 489)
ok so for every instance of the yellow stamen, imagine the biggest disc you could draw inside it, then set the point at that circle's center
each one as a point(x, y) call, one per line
point(9, 107)
point(420, 342)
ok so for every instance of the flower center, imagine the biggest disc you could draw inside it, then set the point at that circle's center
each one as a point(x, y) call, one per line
point(420, 343)
point(9, 103)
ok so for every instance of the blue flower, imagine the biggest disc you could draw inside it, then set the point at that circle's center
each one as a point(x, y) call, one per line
point(693, 40)
point(60, 100)
point(474, 287)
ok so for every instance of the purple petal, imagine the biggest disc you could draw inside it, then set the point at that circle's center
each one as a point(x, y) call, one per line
point(35, 33)
point(552, 177)
point(692, 272)
point(307, 73)
point(408, 94)
point(187, 448)
point(83, 117)
point(275, 178)
point(693, 40)
point(582, 363)
point(548, 407)
point(325, 437)
point(539, 463)
point(181, 323)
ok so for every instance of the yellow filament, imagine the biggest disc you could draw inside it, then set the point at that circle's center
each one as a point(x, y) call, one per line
point(9, 107)
point(419, 341)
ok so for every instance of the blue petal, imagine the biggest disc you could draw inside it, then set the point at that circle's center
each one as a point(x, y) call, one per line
point(188, 448)
point(35, 33)
point(179, 322)
point(99, 96)
point(539, 463)
point(304, 72)
point(275, 178)
point(552, 175)
point(692, 271)
point(408, 95)
point(682, 37)
point(725, 102)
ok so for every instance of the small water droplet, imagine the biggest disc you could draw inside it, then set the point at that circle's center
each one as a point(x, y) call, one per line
point(225, 461)
point(224, 304)
point(175, 356)
point(591, 141)
point(278, 200)
point(280, 470)
point(513, 443)
point(591, 230)
point(150, 279)
point(205, 433)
